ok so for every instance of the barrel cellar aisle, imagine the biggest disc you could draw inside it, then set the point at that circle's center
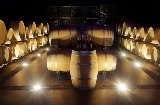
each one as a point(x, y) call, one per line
point(79, 55)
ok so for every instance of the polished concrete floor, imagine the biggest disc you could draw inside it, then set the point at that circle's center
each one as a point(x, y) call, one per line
point(16, 83)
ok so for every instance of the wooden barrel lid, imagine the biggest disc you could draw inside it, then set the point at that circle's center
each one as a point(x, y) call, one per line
point(27, 33)
point(16, 36)
point(7, 54)
point(3, 32)
point(40, 27)
point(36, 32)
point(33, 27)
point(10, 34)
point(22, 30)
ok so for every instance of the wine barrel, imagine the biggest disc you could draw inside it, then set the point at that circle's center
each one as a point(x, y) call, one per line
point(3, 32)
point(23, 48)
point(10, 35)
point(132, 45)
point(140, 34)
point(128, 32)
point(134, 33)
point(15, 49)
point(107, 60)
point(84, 69)
point(96, 33)
point(157, 36)
point(127, 43)
point(108, 37)
point(149, 51)
point(54, 37)
point(33, 44)
point(16, 36)
point(123, 28)
point(34, 29)
point(41, 40)
point(44, 30)
point(156, 54)
point(40, 29)
point(59, 60)
point(100, 35)
point(22, 30)
point(29, 34)
point(143, 50)
point(149, 36)
point(5, 55)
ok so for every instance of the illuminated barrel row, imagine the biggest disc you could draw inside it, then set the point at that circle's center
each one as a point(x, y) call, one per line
point(63, 36)
point(82, 65)
point(5, 55)
point(100, 35)
point(19, 32)
point(59, 60)
point(10, 52)
point(148, 51)
point(149, 35)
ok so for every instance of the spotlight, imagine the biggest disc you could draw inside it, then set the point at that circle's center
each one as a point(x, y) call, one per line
point(123, 54)
point(25, 64)
point(38, 55)
point(122, 87)
point(137, 64)
point(47, 49)
point(37, 87)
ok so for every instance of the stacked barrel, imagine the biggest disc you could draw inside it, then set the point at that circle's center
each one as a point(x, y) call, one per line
point(63, 36)
point(83, 64)
point(100, 35)
point(19, 40)
point(143, 41)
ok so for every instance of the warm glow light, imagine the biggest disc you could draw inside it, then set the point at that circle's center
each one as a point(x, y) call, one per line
point(25, 64)
point(122, 87)
point(38, 55)
point(47, 49)
point(123, 54)
point(37, 87)
point(137, 64)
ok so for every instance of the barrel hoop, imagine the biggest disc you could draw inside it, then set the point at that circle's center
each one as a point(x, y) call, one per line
point(94, 78)
point(84, 64)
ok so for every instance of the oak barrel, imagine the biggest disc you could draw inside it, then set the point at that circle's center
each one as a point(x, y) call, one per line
point(84, 69)
point(59, 60)
point(107, 60)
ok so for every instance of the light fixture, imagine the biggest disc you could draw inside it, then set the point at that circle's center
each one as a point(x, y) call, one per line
point(47, 49)
point(137, 64)
point(38, 55)
point(123, 54)
point(122, 87)
point(25, 64)
point(37, 87)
